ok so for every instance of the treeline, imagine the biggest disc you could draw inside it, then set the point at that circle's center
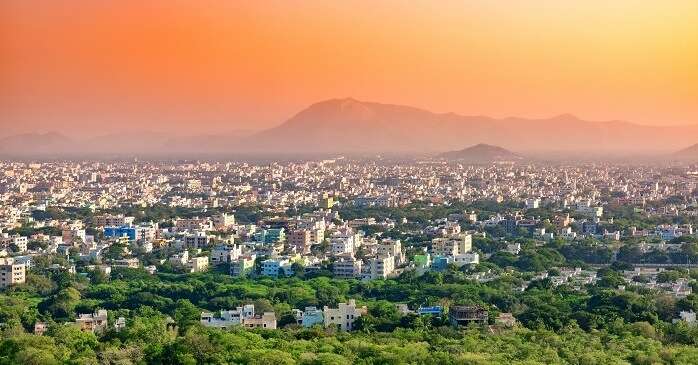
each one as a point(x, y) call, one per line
point(557, 324)
point(148, 340)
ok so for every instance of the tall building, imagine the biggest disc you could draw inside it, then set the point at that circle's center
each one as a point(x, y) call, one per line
point(11, 273)
point(452, 246)
point(300, 239)
point(390, 247)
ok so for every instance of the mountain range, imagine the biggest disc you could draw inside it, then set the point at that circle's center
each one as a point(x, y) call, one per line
point(352, 126)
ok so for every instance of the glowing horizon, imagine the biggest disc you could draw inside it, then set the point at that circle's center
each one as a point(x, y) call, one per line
point(211, 66)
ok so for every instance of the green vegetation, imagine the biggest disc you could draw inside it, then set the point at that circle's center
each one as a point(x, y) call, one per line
point(558, 324)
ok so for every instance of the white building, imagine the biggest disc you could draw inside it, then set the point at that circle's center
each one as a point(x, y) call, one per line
point(381, 267)
point(225, 253)
point(452, 245)
point(390, 247)
point(532, 203)
point(11, 273)
point(241, 316)
point(347, 267)
point(344, 316)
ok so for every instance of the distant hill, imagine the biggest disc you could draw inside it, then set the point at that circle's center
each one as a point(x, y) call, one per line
point(35, 143)
point(350, 125)
point(482, 153)
point(688, 152)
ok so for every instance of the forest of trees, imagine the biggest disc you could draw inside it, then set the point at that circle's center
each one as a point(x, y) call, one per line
point(557, 324)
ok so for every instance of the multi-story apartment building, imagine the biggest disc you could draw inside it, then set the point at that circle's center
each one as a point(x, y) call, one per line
point(109, 220)
point(197, 240)
point(344, 316)
point(11, 273)
point(347, 267)
point(390, 247)
point(300, 239)
point(225, 253)
point(243, 265)
point(452, 245)
point(380, 267)
point(193, 224)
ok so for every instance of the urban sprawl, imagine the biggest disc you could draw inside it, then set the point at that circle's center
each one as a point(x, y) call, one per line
point(596, 230)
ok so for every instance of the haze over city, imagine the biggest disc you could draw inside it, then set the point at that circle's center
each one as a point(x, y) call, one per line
point(306, 182)
point(87, 69)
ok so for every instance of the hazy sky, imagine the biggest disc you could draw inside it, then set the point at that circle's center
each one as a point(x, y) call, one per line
point(92, 67)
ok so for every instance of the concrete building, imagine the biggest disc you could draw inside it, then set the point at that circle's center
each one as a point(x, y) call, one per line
point(223, 222)
point(344, 316)
point(347, 267)
point(228, 318)
point(197, 264)
point(381, 267)
point(270, 236)
point(109, 220)
point(390, 247)
point(342, 244)
point(266, 320)
point(197, 240)
point(300, 239)
point(94, 322)
point(452, 245)
point(193, 224)
point(241, 316)
point(222, 254)
point(311, 316)
point(242, 266)
point(464, 315)
point(11, 273)
point(121, 231)
point(273, 267)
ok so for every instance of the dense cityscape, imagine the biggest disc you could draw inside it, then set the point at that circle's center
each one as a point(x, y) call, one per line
point(347, 260)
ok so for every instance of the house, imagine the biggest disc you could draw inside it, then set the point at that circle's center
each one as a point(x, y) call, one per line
point(464, 315)
point(227, 318)
point(222, 254)
point(241, 316)
point(310, 316)
point(197, 264)
point(40, 328)
point(95, 322)
point(243, 265)
point(344, 316)
point(273, 267)
point(686, 316)
point(265, 320)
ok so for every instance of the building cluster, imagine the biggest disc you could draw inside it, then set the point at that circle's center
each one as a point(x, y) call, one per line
point(191, 216)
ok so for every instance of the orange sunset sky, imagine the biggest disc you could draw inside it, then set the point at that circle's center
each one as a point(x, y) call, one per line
point(96, 67)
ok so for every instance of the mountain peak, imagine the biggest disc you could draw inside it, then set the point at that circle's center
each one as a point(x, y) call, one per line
point(351, 125)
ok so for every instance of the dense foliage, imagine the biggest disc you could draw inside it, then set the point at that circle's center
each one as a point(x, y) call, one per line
point(558, 325)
